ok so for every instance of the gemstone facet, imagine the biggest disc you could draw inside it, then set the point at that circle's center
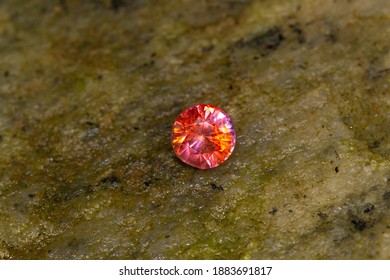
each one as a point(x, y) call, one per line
point(203, 136)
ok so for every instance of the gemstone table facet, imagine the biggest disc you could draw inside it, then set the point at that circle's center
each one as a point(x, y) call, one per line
point(203, 136)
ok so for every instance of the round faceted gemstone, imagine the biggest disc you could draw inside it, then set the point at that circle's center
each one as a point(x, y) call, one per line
point(203, 136)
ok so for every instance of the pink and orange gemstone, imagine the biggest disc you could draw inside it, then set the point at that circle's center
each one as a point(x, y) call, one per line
point(203, 136)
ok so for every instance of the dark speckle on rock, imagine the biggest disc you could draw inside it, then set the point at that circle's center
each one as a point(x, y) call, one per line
point(296, 28)
point(74, 244)
point(321, 214)
point(264, 42)
point(207, 49)
point(336, 169)
point(331, 37)
point(112, 179)
point(216, 187)
point(92, 124)
point(116, 4)
point(6, 74)
point(386, 196)
point(359, 224)
point(1, 138)
point(273, 211)
point(375, 144)
point(368, 208)
point(156, 205)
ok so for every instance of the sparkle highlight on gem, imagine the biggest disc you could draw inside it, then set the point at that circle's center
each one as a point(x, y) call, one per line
point(203, 136)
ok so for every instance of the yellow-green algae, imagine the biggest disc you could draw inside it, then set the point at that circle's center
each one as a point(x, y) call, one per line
point(89, 91)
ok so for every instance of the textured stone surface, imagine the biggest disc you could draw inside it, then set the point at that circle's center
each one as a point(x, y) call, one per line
point(85, 85)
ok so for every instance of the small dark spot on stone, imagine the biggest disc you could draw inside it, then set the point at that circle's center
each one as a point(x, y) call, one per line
point(136, 128)
point(1, 138)
point(6, 73)
point(147, 64)
point(153, 54)
point(31, 195)
point(386, 196)
point(368, 208)
point(290, 211)
point(375, 74)
point(299, 32)
point(155, 206)
point(336, 169)
point(74, 244)
point(384, 71)
point(56, 158)
point(266, 42)
point(16, 205)
point(43, 10)
point(116, 4)
point(26, 127)
point(49, 251)
point(92, 124)
point(230, 87)
point(207, 49)
point(323, 126)
point(256, 57)
point(273, 211)
point(375, 144)
point(215, 187)
point(304, 196)
point(112, 179)
point(166, 236)
point(89, 189)
point(99, 77)
point(332, 38)
point(359, 224)
point(321, 214)
point(147, 183)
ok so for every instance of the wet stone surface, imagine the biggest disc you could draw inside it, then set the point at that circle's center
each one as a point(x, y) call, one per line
point(89, 91)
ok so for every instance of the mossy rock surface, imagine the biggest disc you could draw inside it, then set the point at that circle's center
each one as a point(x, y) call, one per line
point(89, 91)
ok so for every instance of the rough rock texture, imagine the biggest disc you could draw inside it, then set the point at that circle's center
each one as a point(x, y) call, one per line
point(88, 94)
